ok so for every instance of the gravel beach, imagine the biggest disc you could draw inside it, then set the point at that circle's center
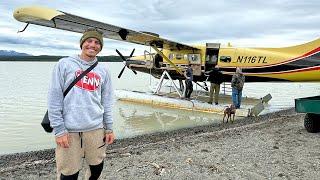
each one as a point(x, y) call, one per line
point(272, 146)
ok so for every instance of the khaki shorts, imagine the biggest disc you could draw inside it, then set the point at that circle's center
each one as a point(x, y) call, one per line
point(89, 145)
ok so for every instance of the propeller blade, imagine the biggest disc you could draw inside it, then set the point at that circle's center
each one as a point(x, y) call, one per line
point(125, 60)
point(132, 52)
point(120, 74)
point(122, 57)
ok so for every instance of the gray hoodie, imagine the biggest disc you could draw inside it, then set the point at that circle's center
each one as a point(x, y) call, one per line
point(88, 104)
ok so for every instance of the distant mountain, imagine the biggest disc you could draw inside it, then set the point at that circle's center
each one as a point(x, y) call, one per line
point(46, 58)
point(12, 53)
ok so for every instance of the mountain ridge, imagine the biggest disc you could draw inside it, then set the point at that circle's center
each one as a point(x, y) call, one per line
point(12, 53)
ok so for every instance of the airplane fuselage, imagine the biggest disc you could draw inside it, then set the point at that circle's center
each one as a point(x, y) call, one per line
point(296, 63)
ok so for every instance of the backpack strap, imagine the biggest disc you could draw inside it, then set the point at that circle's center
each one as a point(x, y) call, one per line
point(78, 78)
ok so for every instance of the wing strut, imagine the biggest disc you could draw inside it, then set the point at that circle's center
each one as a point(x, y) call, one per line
point(167, 59)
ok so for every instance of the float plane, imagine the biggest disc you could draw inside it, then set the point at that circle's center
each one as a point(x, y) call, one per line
point(299, 63)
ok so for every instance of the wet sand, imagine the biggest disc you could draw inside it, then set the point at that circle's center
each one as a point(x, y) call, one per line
point(272, 146)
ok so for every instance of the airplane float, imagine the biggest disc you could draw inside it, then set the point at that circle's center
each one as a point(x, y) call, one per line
point(298, 63)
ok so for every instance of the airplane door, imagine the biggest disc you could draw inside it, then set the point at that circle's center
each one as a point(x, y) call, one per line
point(212, 54)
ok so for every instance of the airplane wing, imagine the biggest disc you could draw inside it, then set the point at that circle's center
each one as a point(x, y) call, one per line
point(61, 20)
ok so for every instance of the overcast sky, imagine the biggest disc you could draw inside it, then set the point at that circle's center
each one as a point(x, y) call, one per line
point(271, 23)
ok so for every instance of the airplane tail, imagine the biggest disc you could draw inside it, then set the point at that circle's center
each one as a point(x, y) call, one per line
point(305, 49)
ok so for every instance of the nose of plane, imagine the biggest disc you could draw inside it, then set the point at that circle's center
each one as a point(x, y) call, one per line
point(125, 60)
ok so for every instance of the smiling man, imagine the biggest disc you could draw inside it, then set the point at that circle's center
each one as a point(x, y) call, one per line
point(82, 120)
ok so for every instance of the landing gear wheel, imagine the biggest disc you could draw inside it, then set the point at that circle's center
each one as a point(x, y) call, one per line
point(312, 122)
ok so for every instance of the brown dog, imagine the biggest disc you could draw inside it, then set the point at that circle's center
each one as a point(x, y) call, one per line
point(230, 110)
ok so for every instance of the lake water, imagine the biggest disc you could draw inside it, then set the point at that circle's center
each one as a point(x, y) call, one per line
point(23, 99)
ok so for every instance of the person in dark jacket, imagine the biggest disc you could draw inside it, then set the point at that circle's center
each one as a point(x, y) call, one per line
point(237, 84)
point(189, 78)
point(215, 78)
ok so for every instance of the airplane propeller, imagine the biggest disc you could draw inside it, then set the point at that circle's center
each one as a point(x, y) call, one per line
point(125, 61)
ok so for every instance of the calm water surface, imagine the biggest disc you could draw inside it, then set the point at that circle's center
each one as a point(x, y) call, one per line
point(23, 98)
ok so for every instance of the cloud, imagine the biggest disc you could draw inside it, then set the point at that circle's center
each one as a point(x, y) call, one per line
point(43, 44)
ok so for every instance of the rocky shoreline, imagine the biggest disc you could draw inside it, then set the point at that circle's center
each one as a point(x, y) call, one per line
point(272, 146)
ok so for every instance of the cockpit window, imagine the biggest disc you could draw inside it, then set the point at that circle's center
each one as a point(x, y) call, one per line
point(185, 56)
point(171, 56)
point(179, 56)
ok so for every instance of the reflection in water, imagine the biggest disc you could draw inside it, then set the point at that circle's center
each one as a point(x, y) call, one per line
point(141, 119)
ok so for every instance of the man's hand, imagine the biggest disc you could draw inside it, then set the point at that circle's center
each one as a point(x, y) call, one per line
point(109, 137)
point(64, 140)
